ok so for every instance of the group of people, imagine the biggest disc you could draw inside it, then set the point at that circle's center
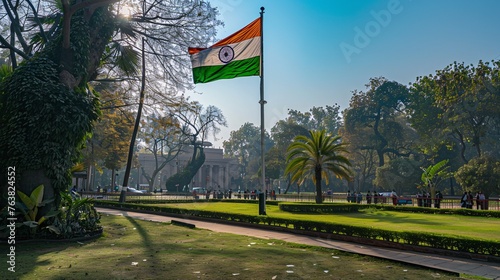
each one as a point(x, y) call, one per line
point(357, 197)
point(253, 194)
point(467, 200)
point(247, 194)
point(354, 197)
point(218, 194)
point(424, 199)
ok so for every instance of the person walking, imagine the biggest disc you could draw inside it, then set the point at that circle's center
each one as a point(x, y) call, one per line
point(470, 200)
point(394, 197)
point(463, 200)
point(477, 200)
point(437, 201)
point(482, 201)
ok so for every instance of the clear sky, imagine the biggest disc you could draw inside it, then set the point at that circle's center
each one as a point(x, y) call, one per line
point(316, 52)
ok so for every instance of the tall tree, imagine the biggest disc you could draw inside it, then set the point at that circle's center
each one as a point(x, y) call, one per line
point(463, 102)
point(196, 123)
point(318, 118)
point(480, 174)
point(378, 109)
point(47, 96)
point(314, 157)
point(364, 161)
point(110, 142)
point(164, 140)
point(282, 133)
point(244, 144)
point(401, 174)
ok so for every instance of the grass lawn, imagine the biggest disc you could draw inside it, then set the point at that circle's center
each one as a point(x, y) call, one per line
point(134, 249)
point(476, 227)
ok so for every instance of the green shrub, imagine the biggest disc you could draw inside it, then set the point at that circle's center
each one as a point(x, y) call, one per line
point(77, 217)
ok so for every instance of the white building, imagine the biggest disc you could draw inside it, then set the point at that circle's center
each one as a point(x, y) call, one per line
point(215, 173)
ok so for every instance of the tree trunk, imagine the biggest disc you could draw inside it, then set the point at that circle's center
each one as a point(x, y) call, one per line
point(123, 194)
point(49, 108)
point(462, 144)
point(319, 193)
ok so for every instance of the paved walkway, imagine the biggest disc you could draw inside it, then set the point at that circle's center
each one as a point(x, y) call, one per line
point(458, 265)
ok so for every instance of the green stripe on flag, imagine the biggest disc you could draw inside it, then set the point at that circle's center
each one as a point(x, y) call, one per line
point(234, 69)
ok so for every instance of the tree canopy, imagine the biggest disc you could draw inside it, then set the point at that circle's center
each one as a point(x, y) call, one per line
point(56, 51)
point(314, 157)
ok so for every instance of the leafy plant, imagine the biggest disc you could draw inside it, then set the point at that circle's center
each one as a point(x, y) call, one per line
point(433, 175)
point(316, 156)
point(77, 217)
point(30, 205)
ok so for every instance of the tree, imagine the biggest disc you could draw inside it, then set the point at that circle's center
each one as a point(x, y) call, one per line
point(196, 122)
point(400, 174)
point(380, 110)
point(108, 144)
point(244, 144)
point(463, 102)
point(282, 133)
point(48, 98)
point(376, 128)
point(480, 174)
point(314, 157)
point(318, 118)
point(434, 174)
point(164, 140)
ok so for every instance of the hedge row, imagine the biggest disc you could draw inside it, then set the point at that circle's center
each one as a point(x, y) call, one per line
point(352, 207)
point(252, 201)
point(457, 211)
point(453, 243)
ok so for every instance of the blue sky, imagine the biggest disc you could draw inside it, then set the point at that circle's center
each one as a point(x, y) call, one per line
point(317, 52)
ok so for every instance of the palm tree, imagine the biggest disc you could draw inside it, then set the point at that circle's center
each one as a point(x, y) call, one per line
point(314, 157)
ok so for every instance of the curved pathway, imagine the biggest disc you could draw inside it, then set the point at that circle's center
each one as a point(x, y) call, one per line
point(488, 270)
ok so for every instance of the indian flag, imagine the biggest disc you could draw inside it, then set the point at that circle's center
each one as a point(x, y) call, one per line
point(235, 56)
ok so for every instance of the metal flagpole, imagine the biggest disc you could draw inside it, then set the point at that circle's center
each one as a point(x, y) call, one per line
point(262, 197)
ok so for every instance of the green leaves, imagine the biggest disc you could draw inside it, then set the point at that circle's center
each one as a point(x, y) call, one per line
point(433, 172)
point(480, 174)
point(314, 157)
point(32, 202)
point(463, 103)
point(29, 206)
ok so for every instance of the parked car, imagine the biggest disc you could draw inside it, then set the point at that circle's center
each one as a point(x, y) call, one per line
point(134, 190)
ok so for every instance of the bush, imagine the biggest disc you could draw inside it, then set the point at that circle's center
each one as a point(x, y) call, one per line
point(350, 207)
point(76, 217)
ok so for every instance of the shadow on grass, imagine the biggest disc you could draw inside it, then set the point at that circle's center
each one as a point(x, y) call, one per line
point(31, 254)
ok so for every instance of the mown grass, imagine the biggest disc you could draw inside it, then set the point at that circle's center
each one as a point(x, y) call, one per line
point(135, 249)
point(457, 225)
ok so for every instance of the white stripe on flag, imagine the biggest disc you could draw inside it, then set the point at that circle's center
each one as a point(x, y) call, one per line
point(242, 50)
